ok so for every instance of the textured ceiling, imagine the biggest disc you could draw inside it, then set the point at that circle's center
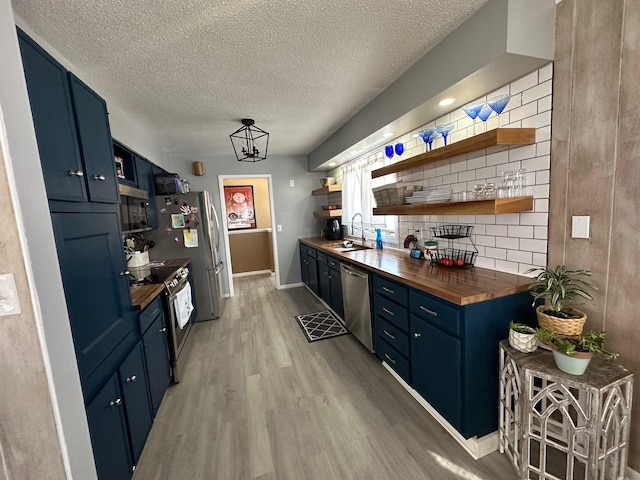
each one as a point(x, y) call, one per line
point(191, 69)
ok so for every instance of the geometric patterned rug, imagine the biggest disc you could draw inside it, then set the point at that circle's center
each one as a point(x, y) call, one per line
point(320, 325)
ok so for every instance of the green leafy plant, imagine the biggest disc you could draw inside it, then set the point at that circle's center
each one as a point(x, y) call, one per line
point(560, 288)
point(593, 341)
point(520, 327)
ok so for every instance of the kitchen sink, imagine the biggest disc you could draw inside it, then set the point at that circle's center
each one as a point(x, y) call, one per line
point(339, 247)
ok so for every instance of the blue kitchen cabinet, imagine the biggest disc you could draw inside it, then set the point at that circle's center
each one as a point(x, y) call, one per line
point(324, 282)
point(309, 268)
point(137, 402)
point(156, 350)
point(304, 265)
point(108, 431)
point(335, 285)
point(96, 289)
point(54, 123)
point(72, 130)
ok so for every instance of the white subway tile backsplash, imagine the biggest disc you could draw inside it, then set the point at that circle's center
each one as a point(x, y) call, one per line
point(543, 148)
point(524, 83)
point(477, 162)
point(485, 262)
point(541, 205)
point(543, 133)
point(510, 219)
point(532, 245)
point(486, 173)
point(508, 242)
point(485, 240)
point(541, 233)
point(497, 253)
point(506, 266)
point(520, 153)
point(536, 93)
point(478, 229)
point(539, 259)
point(496, 230)
point(519, 256)
point(459, 165)
point(450, 179)
point(525, 111)
point(528, 218)
point(544, 104)
point(536, 121)
point(540, 191)
point(537, 163)
point(546, 72)
point(497, 158)
point(486, 219)
point(520, 231)
point(443, 170)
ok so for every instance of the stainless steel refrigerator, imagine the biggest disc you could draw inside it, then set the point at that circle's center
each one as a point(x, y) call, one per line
point(189, 227)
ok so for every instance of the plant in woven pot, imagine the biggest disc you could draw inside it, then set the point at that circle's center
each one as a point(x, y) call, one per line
point(573, 354)
point(522, 337)
point(560, 288)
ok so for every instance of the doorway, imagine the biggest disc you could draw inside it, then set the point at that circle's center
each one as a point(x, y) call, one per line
point(248, 217)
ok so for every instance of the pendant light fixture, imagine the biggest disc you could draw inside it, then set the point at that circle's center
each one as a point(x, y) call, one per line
point(249, 142)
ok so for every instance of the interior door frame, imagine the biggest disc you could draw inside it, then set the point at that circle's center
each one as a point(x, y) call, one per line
point(223, 216)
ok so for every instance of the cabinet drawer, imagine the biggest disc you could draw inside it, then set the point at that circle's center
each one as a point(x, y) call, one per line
point(391, 312)
point(311, 252)
point(334, 263)
point(303, 248)
point(321, 257)
point(394, 336)
point(150, 313)
point(435, 312)
point(398, 293)
point(392, 358)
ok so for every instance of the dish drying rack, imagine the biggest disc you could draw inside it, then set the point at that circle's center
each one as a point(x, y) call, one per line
point(450, 256)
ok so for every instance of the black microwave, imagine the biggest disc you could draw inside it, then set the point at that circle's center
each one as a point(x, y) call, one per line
point(134, 209)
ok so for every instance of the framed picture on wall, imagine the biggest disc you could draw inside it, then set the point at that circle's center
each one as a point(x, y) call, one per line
point(240, 207)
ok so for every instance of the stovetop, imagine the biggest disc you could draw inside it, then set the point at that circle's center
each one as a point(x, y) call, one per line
point(169, 276)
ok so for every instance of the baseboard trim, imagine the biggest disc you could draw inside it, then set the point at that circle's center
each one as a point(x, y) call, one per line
point(476, 447)
point(631, 474)
point(255, 272)
point(291, 285)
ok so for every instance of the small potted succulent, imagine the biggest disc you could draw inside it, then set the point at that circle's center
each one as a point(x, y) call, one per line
point(522, 337)
point(560, 288)
point(573, 354)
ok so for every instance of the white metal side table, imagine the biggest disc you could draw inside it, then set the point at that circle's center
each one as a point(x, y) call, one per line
point(557, 426)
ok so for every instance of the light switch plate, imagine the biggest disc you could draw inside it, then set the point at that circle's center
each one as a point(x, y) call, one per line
point(279, 228)
point(9, 302)
point(292, 183)
point(580, 226)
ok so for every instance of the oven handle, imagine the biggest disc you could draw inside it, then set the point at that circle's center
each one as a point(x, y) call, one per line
point(178, 289)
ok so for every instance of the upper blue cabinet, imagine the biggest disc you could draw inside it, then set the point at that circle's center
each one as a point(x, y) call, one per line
point(72, 130)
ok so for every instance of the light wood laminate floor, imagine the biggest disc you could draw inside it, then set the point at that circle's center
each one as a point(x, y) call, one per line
point(257, 401)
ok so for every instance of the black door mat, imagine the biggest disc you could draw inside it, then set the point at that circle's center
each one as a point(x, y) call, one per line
point(320, 325)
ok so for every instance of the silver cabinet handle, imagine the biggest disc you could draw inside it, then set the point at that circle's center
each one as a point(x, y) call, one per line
point(162, 330)
point(388, 290)
point(430, 312)
point(330, 276)
point(102, 178)
point(132, 378)
point(416, 335)
point(388, 334)
point(389, 358)
point(76, 173)
point(126, 272)
point(333, 264)
point(386, 310)
point(115, 403)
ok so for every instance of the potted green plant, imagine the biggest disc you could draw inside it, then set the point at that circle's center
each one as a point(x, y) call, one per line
point(560, 288)
point(573, 354)
point(522, 337)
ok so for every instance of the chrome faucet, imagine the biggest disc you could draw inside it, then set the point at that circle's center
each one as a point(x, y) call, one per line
point(353, 230)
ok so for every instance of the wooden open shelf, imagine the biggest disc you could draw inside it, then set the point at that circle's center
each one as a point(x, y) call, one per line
point(475, 207)
point(498, 136)
point(327, 189)
point(327, 213)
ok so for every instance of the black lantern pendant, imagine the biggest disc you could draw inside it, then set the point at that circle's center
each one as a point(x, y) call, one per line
point(249, 142)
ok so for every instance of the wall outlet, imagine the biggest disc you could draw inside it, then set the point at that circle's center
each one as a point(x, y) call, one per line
point(279, 228)
point(292, 183)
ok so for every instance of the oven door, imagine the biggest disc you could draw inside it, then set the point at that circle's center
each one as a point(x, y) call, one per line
point(177, 335)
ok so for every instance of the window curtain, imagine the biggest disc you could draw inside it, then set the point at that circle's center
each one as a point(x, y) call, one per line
point(357, 197)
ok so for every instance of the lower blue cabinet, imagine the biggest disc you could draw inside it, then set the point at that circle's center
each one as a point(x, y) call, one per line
point(156, 350)
point(108, 429)
point(137, 404)
point(120, 418)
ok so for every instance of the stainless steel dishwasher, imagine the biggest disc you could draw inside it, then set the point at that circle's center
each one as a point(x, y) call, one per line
point(357, 311)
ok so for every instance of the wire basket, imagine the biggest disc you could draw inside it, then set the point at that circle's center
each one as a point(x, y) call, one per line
point(451, 231)
point(453, 257)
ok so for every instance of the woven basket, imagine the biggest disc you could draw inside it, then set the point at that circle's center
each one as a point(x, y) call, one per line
point(563, 326)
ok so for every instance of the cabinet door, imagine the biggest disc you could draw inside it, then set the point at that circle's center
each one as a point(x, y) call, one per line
point(95, 142)
point(337, 302)
point(304, 268)
point(144, 171)
point(436, 369)
point(313, 275)
point(54, 123)
point(156, 350)
point(108, 430)
point(137, 404)
point(324, 282)
point(98, 297)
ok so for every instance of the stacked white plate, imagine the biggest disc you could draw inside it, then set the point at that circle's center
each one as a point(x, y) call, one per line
point(430, 195)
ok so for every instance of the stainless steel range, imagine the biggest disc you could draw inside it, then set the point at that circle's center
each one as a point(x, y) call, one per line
point(176, 298)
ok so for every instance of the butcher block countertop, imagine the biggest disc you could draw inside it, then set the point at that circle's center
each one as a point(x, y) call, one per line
point(461, 286)
point(143, 295)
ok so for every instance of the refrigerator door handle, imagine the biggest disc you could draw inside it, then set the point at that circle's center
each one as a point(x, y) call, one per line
point(217, 227)
point(219, 268)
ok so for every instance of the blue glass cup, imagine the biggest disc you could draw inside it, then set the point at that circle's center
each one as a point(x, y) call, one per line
point(428, 136)
point(444, 130)
point(399, 148)
point(388, 151)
